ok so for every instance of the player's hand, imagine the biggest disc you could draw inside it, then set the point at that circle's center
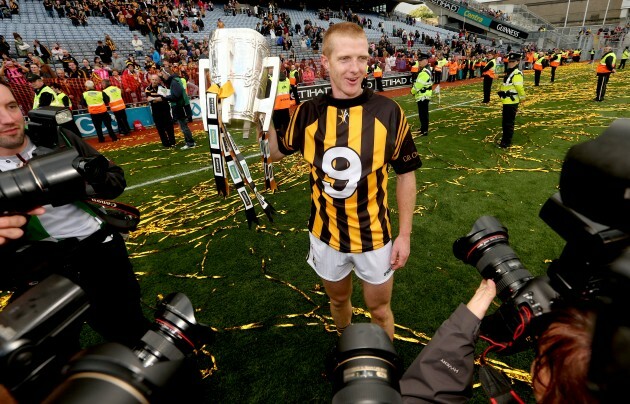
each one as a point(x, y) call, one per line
point(400, 252)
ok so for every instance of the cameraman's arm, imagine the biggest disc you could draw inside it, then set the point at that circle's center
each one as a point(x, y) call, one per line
point(443, 371)
point(112, 184)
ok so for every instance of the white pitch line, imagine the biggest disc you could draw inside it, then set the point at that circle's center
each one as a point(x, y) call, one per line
point(172, 177)
point(447, 107)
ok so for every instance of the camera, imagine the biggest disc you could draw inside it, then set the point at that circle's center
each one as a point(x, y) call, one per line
point(591, 213)
point(37, 337)
point(54, 179)
point(365, 368)
point(56, 175)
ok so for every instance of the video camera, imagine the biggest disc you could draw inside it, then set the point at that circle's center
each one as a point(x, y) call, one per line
point(35, 331)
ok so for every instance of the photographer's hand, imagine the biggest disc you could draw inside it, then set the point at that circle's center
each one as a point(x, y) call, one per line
point(482, 299)
point(11, 226)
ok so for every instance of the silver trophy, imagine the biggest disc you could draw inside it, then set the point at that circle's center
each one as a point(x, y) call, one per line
point(234, 84)
point(240, 55)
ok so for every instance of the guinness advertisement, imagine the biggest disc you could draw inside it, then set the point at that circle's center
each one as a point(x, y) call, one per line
point(506, 29)
point(310, 92)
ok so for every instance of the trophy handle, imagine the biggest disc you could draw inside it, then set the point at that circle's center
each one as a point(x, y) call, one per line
point(204, 68)
point(265, 105)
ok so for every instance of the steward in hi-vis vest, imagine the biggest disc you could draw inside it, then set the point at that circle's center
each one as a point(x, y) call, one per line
point(539, 65)
point(378, 76)
point(605, 68)
point(44, 95)
point(488, 77)
point(281, 108)
point(96, 103)
point(554, 63)
point(118, 107)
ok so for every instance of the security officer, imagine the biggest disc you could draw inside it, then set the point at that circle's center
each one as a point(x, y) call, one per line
point(539, 65)
point(624, 58)
point(378, 76)
point(44, 95)
point(96, 102)
point(439, 67)
point(554, 63)
point(415, 69)
point(511, 94)
point(604, 69)
point(117, 105)
point(62, 97)
point(423, 90)
point(282, 104)
point(293, 79)
point(488, 72)
point(592, 53)
point(47, 96)
point(161, 111)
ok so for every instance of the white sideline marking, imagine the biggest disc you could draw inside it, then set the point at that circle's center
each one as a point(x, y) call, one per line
point(172, 177)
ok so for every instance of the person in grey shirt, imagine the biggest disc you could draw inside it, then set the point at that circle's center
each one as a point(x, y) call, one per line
point(118, 63)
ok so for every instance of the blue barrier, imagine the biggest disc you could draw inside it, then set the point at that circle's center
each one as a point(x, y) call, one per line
point(142, 114)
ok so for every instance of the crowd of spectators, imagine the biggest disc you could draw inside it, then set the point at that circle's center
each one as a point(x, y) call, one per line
point(496, 14)
point(9, 8)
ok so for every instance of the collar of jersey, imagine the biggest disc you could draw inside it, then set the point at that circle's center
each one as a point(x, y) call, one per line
point(349, 102)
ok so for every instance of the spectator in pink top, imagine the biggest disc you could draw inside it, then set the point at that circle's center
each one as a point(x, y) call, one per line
point(308, 75)
point(13, 72)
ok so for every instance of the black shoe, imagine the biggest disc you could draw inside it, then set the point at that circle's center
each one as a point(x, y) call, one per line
point(115, 139)
point(597, 99)
point(101, 140)
point(424, 133)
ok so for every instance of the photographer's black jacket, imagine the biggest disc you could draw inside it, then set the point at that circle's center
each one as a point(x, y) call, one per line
point(113, 184)
point(443, 371)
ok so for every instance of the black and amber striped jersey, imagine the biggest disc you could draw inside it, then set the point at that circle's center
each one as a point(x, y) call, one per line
point(349, 145)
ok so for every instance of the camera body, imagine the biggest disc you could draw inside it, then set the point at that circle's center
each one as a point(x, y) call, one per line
point(57, 174)
point(38, 335)
point(591, 212)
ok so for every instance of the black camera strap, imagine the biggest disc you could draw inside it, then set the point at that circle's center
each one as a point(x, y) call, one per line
point(119, 216)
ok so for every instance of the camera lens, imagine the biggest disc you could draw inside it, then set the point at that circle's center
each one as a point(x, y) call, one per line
point(367, 368)
point(487, 248)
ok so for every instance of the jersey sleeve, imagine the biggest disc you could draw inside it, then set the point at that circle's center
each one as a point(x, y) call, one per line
point(291, 140)
point(405, 158)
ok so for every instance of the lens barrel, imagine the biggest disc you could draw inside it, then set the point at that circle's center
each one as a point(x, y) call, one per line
point(487, 248)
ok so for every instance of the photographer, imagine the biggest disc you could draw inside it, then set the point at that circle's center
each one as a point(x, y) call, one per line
point(443, 371)
point(71, 239)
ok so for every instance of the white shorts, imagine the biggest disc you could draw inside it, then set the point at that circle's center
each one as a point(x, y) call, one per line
point(372, 266)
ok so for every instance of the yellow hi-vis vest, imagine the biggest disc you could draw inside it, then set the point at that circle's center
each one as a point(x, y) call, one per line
point(116, 102)
point(61, 96)
point(94, 101)
point(378, 72)
point(602, 68)
point(415, 68)
point(184, 84)
point(513, 85)
point(422, 89)
point(293, 77)
point(53, 103)
point(283, 99)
